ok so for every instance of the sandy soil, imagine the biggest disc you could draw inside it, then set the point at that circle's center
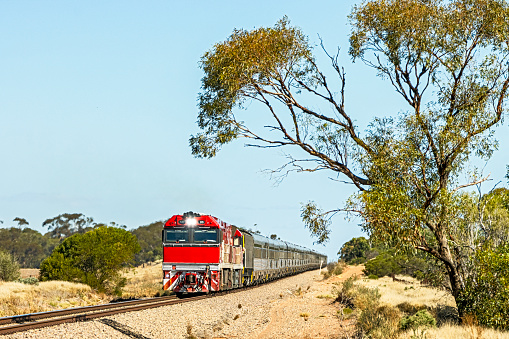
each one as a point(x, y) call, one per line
point(29, 272)
point(315, 317)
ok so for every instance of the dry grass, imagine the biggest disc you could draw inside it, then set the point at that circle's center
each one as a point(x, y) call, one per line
point(395, 293)
point(18, 298)
point(144, 281)
point(29, 272)
point(458, 332)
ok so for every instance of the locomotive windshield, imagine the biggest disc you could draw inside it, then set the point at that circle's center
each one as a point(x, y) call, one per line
point(191, 235)
point(174, 235)
point(205, 235)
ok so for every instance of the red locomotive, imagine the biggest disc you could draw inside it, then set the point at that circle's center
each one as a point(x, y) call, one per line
point(204, 254)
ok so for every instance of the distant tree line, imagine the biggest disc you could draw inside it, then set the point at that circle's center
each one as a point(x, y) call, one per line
point(29, 247)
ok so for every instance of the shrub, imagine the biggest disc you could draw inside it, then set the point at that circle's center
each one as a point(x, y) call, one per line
point(354, 250)
point(345, 294)
point(373, 276)
point(357, 261)
point(95, 258)
point(334, 268)
point(379, 322)
point(420, 319)
point(408, 308)
point(9, 267)
point(29, 281)
point(486, 294)
point(384, 264)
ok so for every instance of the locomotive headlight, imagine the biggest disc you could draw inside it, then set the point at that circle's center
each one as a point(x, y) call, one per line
point(191, 222)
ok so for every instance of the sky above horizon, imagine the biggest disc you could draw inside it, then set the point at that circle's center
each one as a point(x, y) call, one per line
point(98, 101)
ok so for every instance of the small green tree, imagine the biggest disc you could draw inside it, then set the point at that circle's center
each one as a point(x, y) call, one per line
point(355, 248)
point(486, 295)
point(9, 268)
point(95, 258)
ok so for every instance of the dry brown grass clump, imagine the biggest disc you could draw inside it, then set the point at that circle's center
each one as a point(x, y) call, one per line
point(410, 298)
point(144, 281)
point(17, 298)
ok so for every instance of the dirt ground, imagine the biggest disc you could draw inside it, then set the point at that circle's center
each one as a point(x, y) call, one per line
point(29, 272)
point(313, 313)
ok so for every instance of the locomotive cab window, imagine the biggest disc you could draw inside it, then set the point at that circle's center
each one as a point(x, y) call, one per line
point(176, 235)
point(205, 235)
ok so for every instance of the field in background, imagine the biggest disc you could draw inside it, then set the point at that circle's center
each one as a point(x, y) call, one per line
point(18, 298)
point(394, 293)
point(29, 273)
point(146, 281)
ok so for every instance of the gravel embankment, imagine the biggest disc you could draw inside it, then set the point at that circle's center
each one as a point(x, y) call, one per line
point(239, 315)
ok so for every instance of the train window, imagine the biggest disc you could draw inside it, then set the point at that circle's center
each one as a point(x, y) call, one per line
point(205, 235)
point(257, 252)
point(175, 235)
point(237, 241)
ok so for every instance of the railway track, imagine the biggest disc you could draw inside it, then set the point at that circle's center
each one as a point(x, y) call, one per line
point(26, 322)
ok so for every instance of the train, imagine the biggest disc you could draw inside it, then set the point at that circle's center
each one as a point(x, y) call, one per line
point(203, 254)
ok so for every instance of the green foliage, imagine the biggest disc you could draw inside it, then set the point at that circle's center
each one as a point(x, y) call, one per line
point(383, 265)
point(95, 258)
point(149, 238)
point(237, 69)
point(486, 295)
point(420, 319)
point(316, 221)
point(447, 60)
point(66, 224)
point(9, 268)
point(29, 281)
point(379, 322)
point(374, 320)
point(355, 250)
point(373, 276)
point(334, 268)
point(29, 246)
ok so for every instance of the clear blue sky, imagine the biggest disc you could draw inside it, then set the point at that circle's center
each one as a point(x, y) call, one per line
point(98, 100)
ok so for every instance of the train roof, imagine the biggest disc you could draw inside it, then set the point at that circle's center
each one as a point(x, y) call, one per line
point(197, 219)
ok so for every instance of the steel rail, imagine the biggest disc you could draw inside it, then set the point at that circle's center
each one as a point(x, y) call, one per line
point(27, 322)
point(86, 313)
point(22, 318)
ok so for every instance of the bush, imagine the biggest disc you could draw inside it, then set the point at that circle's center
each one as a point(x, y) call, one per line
point(9, 268)
point(373, 276)
point(486, 294)
point(383, 265)
point(29, 281)
point(95, 258)
point(357, 261)
point(420, 319)
point(334, 268)
point(354, 250)
point(409, 308)
point(379, 322)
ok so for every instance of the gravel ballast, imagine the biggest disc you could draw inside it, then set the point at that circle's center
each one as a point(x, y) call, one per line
point(244, 314)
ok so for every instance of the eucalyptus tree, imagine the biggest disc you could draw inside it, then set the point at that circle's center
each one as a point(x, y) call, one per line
point(448, 60)
point(66, 224)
